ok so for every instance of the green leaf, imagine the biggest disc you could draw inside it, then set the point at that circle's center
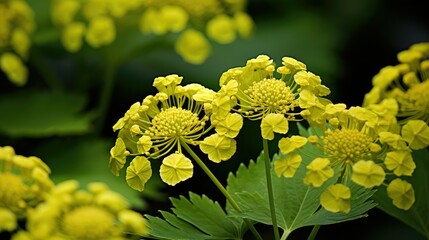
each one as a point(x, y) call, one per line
point(196, 218)
point(297, 204)
point(42, 114)
point(418, 215)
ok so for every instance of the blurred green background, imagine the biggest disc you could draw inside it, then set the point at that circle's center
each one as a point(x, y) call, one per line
point(345, 42)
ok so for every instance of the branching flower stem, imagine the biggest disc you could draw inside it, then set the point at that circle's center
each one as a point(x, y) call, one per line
point(270, 189)
point(220, 187)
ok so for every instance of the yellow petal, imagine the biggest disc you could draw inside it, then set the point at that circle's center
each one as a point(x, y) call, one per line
point(402, 194)
point(138, 173)
point(401, 162)
point(117, 156)
point(273, 122)
point(288, 165)
point(336, 198)
point(176, 168)
point(368, 174)
point(318, 171)
point(231, 126)
point(288, 145)
point(416, 133)
point(218, 148)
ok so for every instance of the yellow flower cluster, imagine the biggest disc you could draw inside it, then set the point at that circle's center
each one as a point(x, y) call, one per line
point(92, 20)
point(362, 146)
point(24, 183)
point(255, 93)
point(162, 124)
point(407, 83)
point(16, 26)
point(98, 20)
point(220, 21)
point(71, 213)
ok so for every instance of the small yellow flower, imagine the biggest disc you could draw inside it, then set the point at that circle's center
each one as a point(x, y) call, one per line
point(368, 174)
point(407, 83)
point(231, 126)
point(287, 166)
point(192, 46)
point(101, 31)
point(72, 36)
point(218, 148)
point(402, 193)
point(244, 24)
point(14, 68)
point(290, 144)
point(24, 183)
point(416, 133)
point(318, 171)
point(73, 213)
point(176, 168)
point(336, 198)
point(221, 29)
point(118, 155)
point(138, 173)
point(401, 162)
point(272, 123)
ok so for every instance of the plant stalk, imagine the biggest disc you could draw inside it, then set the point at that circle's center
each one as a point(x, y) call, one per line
point(270, 189)
point(313, 232)
point(219, 186)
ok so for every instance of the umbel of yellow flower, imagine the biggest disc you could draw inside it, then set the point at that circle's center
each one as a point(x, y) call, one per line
point(355, 143)
point(259, 95)
point(16, 26)
point(407, 83)
point(72, 213)
point(161, 124)
point(24, 183)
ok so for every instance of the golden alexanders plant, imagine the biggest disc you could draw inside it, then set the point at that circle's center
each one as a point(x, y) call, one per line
point(337, 163)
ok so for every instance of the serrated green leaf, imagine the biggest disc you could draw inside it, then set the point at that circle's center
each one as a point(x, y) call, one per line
point(196, 218)
point(418, 215)
point(297, 204)
point(42, 114)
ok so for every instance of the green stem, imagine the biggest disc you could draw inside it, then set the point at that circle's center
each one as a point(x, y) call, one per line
point(270, 189)
point(219, 186)
point(313, 232)
point(105, 96)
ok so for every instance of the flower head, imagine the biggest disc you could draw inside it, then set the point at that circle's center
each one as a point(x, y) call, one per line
point(407, 83)
point(354, 142)
point(260, 95)
point(93, 213)
point(16, 26)
point(24, 183)
point(160, 125)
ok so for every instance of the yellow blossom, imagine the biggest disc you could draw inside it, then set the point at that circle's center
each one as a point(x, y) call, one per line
point(402, 193)
point(416, 134)
point(176, 168)
point(72, 36)
point(244, 24)
point(218, 148)
point(24, 183)
point(14, 68)
point(138, 173)
point(101, 31)
point(288, 165)
point(192, 46)
point(368, 174)
point(290, 144)
point(272, 123)
point(401, 162)
point(160, 126)
point(221, 29)
point(407, 83)
point(336, 198)
point(68, 215)
point(318, 171)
